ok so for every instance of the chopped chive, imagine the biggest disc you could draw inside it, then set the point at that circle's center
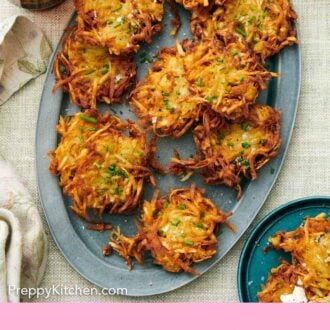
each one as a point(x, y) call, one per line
point(199, 82)
point(178, 92)
point(262, 142)
point(107, 148)
point(230, 144)
point(109, 21)
point(199, 225)
point(62, 69)
point(89, 72)
point(241, 79)
point(118, 191)
point(88, 119)
point(141, 153)
point(211, 98)
point(188, 243)
point(245, 126)
point(170, 108)
point(246, 145)
point(220, 137)
point(166, 94)
point(105, 68)
point(160, 232)
point(144, 58)
point(245, 163)
point(117, 9)
point(165, 205)
point(181, 207)
point(251, 19)
point(241, 32)
point(98, 166)
point(176, 222)
point(220, 60)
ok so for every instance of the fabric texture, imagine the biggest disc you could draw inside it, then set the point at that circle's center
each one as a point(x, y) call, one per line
point(22, 237)
point(24, 54)
point(305, 172)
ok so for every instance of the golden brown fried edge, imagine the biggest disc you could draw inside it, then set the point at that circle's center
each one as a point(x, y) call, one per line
point(101, 167)
point(90, 74)
point(186, 212)
point(228, 150)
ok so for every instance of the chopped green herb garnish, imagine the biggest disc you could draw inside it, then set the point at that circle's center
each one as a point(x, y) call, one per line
point(89, 72)
point(245, 126)
point(107, 148)
point(211, 99)
point(199, 225)
point(178, 92)
point(230, 144)
point(160, 232)
point(118, 190)
point(262, 142)
point(144, 58)
point(241, 79)
point(246, 145)
point(220, 137)
point(176, 222)
point(181, 207)
point(92, 129)
point(165, 205)
point(117, 9)
point(112, 170)
point(62, 69)
point(98, 166)
point(88, 119)
point(220, 60)
point(170, 108)
point(166, 94)
point(141, 153)
point(199, 82)
point(188, 243)
point(245, 163)
point(105, 68)
point(242, 32)
point(109, 21)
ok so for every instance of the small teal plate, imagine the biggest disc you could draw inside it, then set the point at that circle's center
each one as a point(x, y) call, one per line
point(254, 265)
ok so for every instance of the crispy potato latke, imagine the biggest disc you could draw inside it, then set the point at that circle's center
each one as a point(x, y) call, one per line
point(165, 100)
point(90, 73)
point(221, 74)
point(267, 25)
point(101, 167)
point(119, 25)
point(309, 246)
point(228, 150)
point(178, 231)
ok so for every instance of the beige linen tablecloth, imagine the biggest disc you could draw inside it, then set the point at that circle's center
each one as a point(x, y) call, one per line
point(306, 169)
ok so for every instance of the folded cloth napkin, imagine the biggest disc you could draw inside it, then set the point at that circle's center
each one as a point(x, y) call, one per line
point(24, 54)
point(23, 243)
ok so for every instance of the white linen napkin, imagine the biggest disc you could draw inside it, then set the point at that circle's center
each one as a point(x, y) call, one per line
point(23, 243)
point(24, 54)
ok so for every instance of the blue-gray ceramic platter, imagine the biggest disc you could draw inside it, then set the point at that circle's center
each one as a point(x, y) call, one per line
point(82, 248)
point(254, 264)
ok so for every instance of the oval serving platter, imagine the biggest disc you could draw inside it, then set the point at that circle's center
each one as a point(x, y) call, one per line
point(254, 264)
point(82, 248)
